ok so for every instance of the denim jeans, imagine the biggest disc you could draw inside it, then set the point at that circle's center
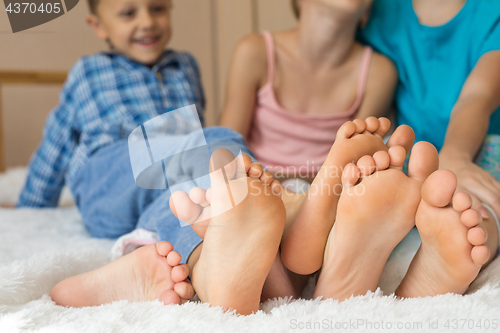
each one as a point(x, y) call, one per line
point(112, 205)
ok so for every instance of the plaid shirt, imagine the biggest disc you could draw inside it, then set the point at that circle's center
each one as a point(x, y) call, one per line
point(105, 97)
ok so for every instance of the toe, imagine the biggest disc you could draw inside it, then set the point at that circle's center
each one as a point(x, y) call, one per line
point(480, 254)
point(173, 258)
point(255, 170)
point(266, 177)
point(218, 194)
point(247, 162)
point(209, 196)
point(223, 158)
point(403, 136)
point(424, 160)
point(439, 187)
point(276, 187)
point(382, 160)
point(170, 297)
point(366, 165)
point(164, 248)
point(360, 125)
point(383, 126)
point(199, 196)
point(461, 202)
point(372, 124)
point(243, 163)
point(351, 175)
point(183, 207)
point(179, 273)
point(470, 218)
point(185, 290)
point(346, 130)
point(397, 157)
point(477, 236)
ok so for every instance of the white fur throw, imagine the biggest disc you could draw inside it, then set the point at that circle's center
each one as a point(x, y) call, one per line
point(39, 248)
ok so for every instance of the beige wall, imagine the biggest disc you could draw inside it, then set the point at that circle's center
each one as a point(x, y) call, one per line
point(207, 28)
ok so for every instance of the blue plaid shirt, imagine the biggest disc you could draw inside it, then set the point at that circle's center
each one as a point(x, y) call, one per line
point(105, 97)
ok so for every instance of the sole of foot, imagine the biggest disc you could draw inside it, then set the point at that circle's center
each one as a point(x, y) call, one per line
point(452, 250)
point(151, 272)
point(306, 234)
point(375, 212)
point(195, 209)
point(241, 235)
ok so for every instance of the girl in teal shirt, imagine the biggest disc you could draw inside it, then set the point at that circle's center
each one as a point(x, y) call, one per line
point(448, 57)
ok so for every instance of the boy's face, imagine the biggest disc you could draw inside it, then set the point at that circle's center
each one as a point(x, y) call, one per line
point(139, 29)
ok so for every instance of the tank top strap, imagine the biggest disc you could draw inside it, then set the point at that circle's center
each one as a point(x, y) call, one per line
point(268, 37)
point(363, 74)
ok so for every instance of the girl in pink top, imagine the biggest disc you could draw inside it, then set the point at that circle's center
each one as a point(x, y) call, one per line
point(289, 92)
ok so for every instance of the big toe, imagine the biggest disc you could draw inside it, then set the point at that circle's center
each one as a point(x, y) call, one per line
point(223, 159)
point(424, 160)
point(439, 187)
point(221, 197)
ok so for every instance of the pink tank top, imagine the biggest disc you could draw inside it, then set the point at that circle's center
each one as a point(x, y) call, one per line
point(292, 143)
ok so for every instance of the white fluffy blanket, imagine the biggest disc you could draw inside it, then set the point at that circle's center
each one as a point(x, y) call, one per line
point(39, 248)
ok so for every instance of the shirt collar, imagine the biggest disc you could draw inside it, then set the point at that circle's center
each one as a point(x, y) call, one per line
point(168, 58)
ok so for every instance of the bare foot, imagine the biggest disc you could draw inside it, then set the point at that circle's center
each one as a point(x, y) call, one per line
point(307, 230)
point(149, 273)
point(375, 212)
point(195, 209)
point(452, 250)
point(241, 240)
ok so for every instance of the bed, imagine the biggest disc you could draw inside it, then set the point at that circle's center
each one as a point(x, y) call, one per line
point(39, 248)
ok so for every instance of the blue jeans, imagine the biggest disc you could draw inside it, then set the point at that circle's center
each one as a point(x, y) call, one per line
point(112, 205)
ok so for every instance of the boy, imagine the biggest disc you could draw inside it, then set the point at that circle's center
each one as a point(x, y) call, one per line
point(105, 98)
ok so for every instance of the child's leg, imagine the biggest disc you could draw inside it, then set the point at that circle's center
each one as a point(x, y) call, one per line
point(106, 194)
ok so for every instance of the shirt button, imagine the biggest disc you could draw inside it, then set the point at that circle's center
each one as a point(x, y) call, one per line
point(158, 76)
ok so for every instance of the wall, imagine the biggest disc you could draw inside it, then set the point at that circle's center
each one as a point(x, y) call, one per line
point(207, 28)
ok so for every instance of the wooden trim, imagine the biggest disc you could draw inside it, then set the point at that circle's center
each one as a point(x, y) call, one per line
point(24, 77)
point(2, 162)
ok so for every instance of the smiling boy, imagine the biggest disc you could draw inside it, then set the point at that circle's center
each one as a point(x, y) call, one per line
point(84, 146)
point(140, 32)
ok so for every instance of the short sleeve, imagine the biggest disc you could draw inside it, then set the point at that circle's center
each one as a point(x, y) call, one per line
point(488, 24)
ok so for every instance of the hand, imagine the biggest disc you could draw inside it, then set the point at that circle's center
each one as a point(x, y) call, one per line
point(475, 181)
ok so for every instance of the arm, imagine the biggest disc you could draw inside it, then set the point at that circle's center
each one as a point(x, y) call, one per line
point(468, 125)
point(46, 170)
point(247, 74)
point(380, 87)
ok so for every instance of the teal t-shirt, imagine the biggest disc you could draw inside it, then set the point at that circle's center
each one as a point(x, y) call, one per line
point(433, 62)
